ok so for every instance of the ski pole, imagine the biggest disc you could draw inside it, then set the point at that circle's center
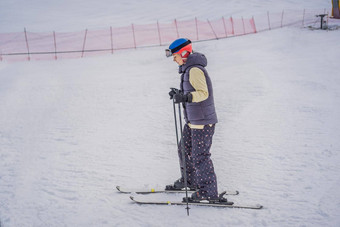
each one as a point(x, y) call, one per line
point(175, 121)
point(183, 158)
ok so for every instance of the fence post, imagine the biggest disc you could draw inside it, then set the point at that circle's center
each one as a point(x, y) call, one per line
point(134, 37)
point(196, 28)
point(82, 54)
point(55, 46)
point(268, 21)
point(232, 25)
point(111, 36)
point(282, 18)
point(225, 28)
point(212, 29)
point(244, 28)
point(327, 20)
point(303, 18)
point(159, 34)
point(28, 49)
point(254, 25)
point(176, 28)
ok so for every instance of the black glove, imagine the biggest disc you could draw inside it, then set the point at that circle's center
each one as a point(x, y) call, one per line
point(173, 92)
point(180, 97)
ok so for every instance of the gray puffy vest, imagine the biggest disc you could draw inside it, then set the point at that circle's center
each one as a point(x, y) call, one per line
point(201, 113)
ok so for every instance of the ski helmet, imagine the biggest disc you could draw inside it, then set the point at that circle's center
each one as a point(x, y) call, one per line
point(179, 46)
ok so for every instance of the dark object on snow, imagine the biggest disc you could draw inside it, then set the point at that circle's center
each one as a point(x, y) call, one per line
point(321, 16)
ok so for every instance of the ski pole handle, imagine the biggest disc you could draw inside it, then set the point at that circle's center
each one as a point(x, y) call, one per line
point(175, 90)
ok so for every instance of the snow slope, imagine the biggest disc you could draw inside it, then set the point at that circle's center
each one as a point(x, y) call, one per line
point(71, 130)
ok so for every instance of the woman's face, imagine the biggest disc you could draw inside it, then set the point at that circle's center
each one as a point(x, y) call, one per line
point(178, 59)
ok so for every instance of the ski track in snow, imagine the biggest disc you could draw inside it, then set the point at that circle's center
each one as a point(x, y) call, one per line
point(71, 130)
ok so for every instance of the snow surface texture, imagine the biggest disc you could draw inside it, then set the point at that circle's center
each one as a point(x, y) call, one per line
point(71, 130)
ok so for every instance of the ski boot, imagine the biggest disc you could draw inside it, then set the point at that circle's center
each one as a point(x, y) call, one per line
point(197, 197)
point(178, 185)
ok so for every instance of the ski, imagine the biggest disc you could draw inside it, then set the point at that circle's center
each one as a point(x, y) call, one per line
point(152, 190)
point(256, 207)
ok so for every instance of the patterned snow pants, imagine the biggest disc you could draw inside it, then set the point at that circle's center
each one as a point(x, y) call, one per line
point(199, 166)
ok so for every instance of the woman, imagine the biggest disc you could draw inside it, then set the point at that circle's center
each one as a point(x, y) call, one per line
point(196, 94)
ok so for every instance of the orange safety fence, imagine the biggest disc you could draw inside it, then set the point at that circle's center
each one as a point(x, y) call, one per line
point(22, 46)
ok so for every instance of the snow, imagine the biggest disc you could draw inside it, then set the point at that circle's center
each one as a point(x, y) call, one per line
point(71, 130)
